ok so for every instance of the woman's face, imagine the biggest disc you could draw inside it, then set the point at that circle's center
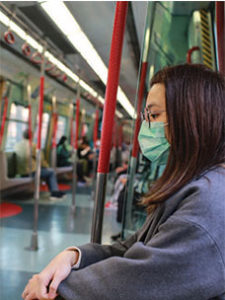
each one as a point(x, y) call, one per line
point(156, 105)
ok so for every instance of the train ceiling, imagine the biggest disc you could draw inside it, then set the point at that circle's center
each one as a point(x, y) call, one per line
point(96, 20)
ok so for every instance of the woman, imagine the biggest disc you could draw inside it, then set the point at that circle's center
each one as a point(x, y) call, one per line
point(63, 154)
point(179, 253)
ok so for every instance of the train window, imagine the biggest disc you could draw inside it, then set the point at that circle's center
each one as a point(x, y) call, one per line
point(61, 128)
point(17, 123)
point(44, 130)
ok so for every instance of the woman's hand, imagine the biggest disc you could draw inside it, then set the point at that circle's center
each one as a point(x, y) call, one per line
point(44, 285)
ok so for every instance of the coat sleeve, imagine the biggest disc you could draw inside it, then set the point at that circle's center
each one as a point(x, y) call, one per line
point(92, 253)
point(180, 262)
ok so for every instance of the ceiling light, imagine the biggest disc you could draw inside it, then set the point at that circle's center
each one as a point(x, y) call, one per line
point(63, 18)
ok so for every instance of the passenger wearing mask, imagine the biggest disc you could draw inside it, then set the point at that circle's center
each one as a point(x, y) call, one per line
point(179, 253)
point(63, 153)
point(25, 168)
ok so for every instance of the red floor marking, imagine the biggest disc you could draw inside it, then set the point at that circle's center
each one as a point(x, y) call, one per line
point(64, 187)
point(9, 210)
point(43, 187)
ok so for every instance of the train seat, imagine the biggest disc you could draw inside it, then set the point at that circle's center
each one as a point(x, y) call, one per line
point(62, 170)
point(6, 182)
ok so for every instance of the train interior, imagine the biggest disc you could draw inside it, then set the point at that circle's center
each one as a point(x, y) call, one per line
point(68, 44)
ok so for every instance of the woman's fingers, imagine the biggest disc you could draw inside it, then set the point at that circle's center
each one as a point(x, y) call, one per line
point(35, 289)
point(56, 271)
point(58, 277)
point(25, 292)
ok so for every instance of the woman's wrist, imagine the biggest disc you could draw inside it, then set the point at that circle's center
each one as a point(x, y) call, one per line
point(75, 256)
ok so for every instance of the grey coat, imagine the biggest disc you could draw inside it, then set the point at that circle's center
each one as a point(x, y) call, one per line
point(179, 253)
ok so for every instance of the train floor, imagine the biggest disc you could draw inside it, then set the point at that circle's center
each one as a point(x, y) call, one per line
point(58, 228)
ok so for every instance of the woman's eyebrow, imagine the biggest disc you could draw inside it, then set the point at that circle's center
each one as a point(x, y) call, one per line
point(152, 105)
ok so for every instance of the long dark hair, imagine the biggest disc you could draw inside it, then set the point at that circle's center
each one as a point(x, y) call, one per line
point(195, 104)
point(62, 140)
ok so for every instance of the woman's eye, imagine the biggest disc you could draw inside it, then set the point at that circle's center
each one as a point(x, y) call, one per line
point(154, 116)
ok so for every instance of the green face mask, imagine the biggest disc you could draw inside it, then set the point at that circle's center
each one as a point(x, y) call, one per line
point(153, 142)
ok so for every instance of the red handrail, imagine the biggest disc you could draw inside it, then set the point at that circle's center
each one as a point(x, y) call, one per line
point(40, 111)
point(72, 128)
point(77, 124)
point(112, 85)
point(139, 106)
point(220, 25)
point(189, 53)
point(3, 120)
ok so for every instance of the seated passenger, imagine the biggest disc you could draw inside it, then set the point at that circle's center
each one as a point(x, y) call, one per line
point(25, 166)
point(179, 253)
point(63, 153)
point(85, 160)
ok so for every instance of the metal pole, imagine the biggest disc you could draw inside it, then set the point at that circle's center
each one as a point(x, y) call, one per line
point(108, 118)
point(95, 138)
point(34, 237)
point(74, 183)
point(128, 201)
point(114, 148)
point(120, 142)
point(220, 24)
point(133, 162)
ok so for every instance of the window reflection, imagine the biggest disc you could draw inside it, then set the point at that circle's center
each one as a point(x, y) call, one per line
point(61, 128)
point(17, 123)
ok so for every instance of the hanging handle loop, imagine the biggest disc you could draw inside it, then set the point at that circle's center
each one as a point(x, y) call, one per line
point(9, 37)
point(37, 58)
point(26, 49)
point(49, 66)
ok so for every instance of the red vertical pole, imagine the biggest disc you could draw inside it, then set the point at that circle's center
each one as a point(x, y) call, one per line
point(30, 124)
point(40, 111)
point(3, 120)
point(112, 85)
point(139, 106)
point(108, 117)
point(77, 124)
point(220, 26)
point(72, 128)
